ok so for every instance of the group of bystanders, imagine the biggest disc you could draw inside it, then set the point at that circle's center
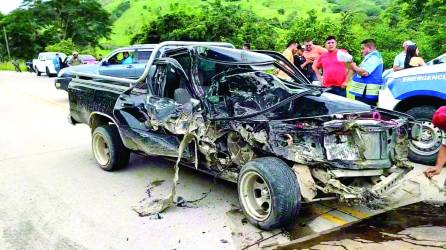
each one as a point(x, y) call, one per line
point(335, 69)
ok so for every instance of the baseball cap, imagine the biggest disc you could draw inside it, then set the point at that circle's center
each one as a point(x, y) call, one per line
point(408, 43)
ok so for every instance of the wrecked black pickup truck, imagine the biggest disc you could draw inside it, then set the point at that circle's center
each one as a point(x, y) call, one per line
point(225, 112)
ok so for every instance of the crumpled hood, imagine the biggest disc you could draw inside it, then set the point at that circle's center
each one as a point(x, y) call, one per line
point(250, 93)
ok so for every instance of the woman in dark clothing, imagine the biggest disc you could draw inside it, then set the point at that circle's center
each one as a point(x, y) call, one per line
point(412, 58)
point(300, 62)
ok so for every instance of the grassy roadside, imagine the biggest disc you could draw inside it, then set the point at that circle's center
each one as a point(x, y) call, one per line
point(7, 66)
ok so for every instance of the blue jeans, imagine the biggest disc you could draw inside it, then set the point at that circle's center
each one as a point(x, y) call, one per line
point(368, 101)
point(337, 91)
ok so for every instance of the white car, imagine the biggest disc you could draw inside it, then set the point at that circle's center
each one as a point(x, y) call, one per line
point(44, 63)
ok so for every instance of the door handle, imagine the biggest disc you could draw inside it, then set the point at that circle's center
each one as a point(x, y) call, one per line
point(130, 66)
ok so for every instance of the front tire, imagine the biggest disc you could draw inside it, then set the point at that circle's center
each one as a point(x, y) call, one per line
point(269, 193)
point(425, 151)
point(38, 72)
point(108, 149)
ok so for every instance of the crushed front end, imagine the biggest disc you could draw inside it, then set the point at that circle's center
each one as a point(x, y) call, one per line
point(355, 157)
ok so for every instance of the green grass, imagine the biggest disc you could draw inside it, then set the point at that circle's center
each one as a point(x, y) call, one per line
point(7, 66)
point(141, 12)
point(137, 15)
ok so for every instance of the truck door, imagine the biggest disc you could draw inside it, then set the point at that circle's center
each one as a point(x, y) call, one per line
point(113, 66)
point(141, 58)
point(142, 111)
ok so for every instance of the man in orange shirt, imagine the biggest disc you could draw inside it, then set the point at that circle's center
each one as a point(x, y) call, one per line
point(288, 53)
point(312, 53)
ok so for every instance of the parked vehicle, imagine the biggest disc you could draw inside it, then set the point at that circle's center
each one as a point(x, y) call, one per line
point(44, 63)
point(418, 92)
point(110, 66)
point(86, 59)
point(282, 142)
point(29, 66)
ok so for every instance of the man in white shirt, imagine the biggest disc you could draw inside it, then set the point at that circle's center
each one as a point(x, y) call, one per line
point(398, 63)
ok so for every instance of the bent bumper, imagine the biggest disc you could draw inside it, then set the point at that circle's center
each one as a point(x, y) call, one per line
point(412, 188)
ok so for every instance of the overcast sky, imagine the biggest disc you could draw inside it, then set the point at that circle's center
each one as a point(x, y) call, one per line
point(7, 6)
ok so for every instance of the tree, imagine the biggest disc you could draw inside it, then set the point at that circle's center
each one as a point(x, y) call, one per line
point(40, 23)
point(23, 37)
point(83, 21)
point(421, 21)
point(312, 27)
point(214, 22)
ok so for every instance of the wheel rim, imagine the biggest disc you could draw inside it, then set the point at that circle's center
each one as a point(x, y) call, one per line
point(429, 142)
point(101, 150)
point(255, 196)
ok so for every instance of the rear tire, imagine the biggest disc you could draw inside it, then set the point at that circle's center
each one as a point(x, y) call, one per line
point(269, 193)
point(108, 149)
point(425, 151)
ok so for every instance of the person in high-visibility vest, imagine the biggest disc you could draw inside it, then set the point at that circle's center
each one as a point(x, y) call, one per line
point(368, 79)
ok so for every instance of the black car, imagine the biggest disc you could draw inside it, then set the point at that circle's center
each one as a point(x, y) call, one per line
point(282, 140)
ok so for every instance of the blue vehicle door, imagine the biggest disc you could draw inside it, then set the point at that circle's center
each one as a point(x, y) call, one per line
point(141, 58)
point(114, 66)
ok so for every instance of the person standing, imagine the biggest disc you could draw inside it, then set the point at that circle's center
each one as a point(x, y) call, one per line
point(312, 53)
point(288, 53)
point(333, 64)
point(56, 62)
point(300, 62)
point(368, 79)
point(246, 46)
point(398, 63)
point(412, 58)
point(75, 59)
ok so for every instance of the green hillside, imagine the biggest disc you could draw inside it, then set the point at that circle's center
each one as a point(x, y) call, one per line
point(131, 15)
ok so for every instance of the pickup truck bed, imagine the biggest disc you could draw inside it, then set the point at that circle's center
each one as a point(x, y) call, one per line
point(87, 97)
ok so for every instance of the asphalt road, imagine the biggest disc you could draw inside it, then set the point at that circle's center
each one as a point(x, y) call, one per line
point(52, 194)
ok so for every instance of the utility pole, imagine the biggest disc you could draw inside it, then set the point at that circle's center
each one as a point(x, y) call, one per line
point(7, 45)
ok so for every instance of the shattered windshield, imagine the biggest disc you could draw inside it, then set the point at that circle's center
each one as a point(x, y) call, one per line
point(234, 90)
point(242, 91)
